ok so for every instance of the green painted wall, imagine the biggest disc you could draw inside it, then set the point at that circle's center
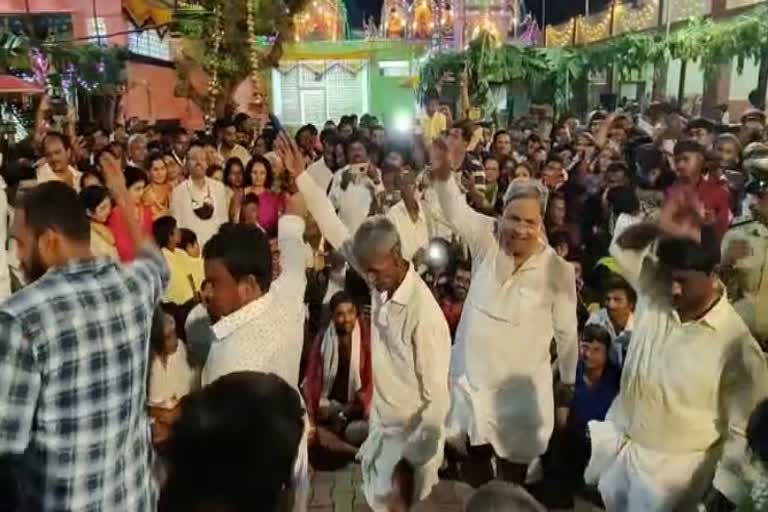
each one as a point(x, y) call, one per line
point(389, 98)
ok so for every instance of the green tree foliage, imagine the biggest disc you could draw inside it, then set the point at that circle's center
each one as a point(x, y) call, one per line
point(550, 72)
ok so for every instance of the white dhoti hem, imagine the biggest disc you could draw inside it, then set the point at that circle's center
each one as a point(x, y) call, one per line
point(516, 420)
point(378, 457)
point(302, 486)
point(632, 478)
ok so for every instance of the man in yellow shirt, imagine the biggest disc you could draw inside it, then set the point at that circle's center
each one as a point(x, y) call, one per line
point(435, 122)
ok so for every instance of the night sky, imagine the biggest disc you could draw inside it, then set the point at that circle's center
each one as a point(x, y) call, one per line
point(557, 10)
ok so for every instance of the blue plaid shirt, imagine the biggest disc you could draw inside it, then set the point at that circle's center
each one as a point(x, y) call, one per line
point(73, 364)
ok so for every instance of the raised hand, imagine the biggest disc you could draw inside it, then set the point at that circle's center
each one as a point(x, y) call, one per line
point(682, 215)
point(114, 178)
point(438, 156)
point(290, 154)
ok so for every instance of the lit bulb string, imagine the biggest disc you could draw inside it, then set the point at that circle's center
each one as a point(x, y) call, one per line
point(626, 20)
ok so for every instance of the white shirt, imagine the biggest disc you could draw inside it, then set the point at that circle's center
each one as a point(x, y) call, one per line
point(170, 382)
point(186, 196)
point(501, 374)
point(687, 389)
point(320, 173)
point(267, 335)
point(44, 173)
point(414, 235)
point(354, 203)
point(410, 344)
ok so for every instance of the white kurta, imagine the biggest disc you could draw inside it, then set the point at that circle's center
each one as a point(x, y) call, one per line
point(267, 335)
point(321, 173)
point(353, 203)
point(687, 391)
point(410, 344)
point(501, 377)
point(414, 235)
point(182, 207)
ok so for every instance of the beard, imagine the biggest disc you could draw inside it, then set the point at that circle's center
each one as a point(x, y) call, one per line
point(33, 268)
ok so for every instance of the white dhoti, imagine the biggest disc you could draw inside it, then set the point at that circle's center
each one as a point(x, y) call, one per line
point(632, 478)
point(516, 419)
point(302, 486)
point(383, 449)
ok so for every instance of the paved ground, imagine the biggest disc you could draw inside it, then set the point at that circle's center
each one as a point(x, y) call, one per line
point(340, 492)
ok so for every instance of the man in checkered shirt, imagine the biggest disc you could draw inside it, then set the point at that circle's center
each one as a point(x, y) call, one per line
point(73, 359)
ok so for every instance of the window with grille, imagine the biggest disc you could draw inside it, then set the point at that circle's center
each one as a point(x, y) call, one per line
point(149, 44)
point(314, 92)
point(97, 31)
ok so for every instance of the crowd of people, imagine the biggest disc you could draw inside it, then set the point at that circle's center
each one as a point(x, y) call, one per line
point(556, 309)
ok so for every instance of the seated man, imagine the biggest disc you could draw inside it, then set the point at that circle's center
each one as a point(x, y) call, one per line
point(616, 316)
point(338, 386)
point(597, 384)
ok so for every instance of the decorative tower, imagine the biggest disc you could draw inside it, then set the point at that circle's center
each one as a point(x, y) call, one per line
point(394, 19)
point(321, 20)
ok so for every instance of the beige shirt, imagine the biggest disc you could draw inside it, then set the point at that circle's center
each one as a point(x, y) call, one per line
point(687, 387)
point(748, 284)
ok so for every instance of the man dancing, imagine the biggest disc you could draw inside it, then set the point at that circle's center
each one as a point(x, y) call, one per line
point(522, 295)
point(692, 375)
point(410, 345)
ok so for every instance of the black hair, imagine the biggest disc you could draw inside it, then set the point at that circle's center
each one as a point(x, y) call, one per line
point(687, 254)
point(88, 174)
point(467, 129)
point(616, 282)
point(309, 128)
point(341, 297)
point(134, 175)
point(234, 445)
point(258, 159)
point(157, 332)
point(52, 135)
point(54, 205)
point(231, 162)
point(152, 157)
point(553, 157)
point(358, 138)
point(498, 134)
point(91, 197)
point(594, 332)
point(623, 200)
point(162, 230)
point(244, 250)
point(328, 137)
point(188, 237)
